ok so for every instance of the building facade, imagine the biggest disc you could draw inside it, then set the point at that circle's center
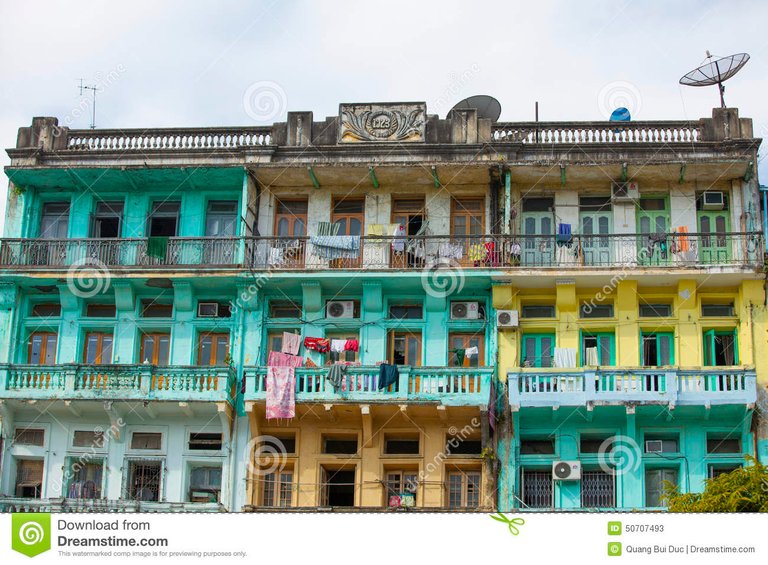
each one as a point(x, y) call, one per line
point(382, 310)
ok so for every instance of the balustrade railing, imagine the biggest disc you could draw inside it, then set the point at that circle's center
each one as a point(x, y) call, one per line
point(116, 381)
point(575, 387)
point(135, 140)
point(576, 133)
point(449, 385)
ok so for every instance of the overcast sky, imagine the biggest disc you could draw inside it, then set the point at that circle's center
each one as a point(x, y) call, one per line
point(173, 63)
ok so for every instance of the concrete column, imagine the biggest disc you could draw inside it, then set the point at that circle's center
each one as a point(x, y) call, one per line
point(688, 349)
point(68, 342)
point(9, 303)
point(435, 338)
point(373, 337)
point(627, 328)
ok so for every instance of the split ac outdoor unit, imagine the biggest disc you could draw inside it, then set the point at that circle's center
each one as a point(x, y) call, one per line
point(506, 319)
point(654, 446)
point(340, 309)
point(465, 311)
point(207, 309)
point(624, 191)
point(712, 200)
point(566, 470)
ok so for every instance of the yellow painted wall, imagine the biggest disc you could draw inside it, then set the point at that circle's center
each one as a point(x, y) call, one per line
point(751, 320)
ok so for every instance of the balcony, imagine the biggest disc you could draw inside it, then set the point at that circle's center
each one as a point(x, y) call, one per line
point(582, 387)
point(116, 382)
point(451, 386)
point(102, 505)
point(392, 253)
point(141, 253)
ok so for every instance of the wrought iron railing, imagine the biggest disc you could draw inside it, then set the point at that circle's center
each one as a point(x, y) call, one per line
point(123, 252)
point(388, 252)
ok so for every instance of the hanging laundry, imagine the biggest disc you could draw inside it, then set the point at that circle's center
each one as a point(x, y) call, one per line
point(398, 244)
point(377, 229)
point(591, 357)
point(471, 352)
point(319, 344)
point(450, 251)
point(682, 239)
point(276, 257)
point(280, 359)
point(476, 252)
point(336, 375)
point(352, 345)
point(338, 345)
point(157, 247)
point(459, 356)
point(291, 343)
point(281, 392)
point(336, 246)
point(388, 375)
point(565, 357)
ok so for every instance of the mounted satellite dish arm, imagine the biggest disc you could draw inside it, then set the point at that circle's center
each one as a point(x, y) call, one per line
point(716, 72)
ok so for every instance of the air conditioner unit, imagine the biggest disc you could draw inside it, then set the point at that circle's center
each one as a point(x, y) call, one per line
point(624, 191)
point(566, 470)
point(712, 200)
point(654, 446)
point(340, 309)
point(465, 311)
point(207, 309)
point(506, 319)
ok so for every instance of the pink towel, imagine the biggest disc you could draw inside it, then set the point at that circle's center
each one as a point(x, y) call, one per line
point(278, 359)
point(281, 392)
point(291, 343)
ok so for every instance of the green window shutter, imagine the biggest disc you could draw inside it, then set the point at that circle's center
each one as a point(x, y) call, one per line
point(709, 348)
point(537, 350)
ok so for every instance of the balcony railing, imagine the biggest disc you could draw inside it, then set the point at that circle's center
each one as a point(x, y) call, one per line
point(102, 505)
point(169, 139)
point(447, 385)
point(573, 133)
point(116, 382)
point(579, 387)
point(509, 251)
point(387, 252)
point(133, 252)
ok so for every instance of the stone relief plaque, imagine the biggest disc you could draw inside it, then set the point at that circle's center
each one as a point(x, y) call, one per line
point(402, 122)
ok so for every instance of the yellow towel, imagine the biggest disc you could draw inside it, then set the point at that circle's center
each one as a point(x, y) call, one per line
point(476, 252)
point(377, 229)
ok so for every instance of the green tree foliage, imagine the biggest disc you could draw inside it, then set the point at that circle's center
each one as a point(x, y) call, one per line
point(741, 490)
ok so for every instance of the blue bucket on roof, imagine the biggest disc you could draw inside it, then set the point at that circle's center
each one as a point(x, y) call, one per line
point(620, 115)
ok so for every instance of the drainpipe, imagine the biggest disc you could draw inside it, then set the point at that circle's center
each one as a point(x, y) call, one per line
point(764, 190)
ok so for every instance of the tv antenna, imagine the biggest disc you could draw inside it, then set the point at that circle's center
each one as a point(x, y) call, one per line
point(94, 90)
point(716, 71)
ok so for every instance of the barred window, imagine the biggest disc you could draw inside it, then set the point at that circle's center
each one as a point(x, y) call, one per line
point(597, 490)
point(536, 488)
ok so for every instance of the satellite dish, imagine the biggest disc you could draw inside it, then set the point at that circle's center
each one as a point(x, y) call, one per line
point(716, 71)
point(486, 106)
point(620, 115)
